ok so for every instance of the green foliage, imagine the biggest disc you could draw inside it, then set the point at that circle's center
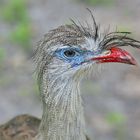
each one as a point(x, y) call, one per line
point(22, 36)
point(99, 2)
point(15, 11)
point(115, 118)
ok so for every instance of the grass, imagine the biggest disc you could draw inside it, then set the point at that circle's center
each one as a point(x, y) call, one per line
point(114, 118)
point(117, 121)
point(15, 14)
point(15, 11)
point(22, 36)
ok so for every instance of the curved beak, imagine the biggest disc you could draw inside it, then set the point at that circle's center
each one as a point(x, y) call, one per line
point(115, 55)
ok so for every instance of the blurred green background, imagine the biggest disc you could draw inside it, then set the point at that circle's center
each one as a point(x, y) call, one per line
point(111, 98)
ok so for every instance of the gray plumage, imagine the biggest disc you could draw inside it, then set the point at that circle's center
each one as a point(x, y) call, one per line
point(59, 80)
point(62, 104)
point(63, 117)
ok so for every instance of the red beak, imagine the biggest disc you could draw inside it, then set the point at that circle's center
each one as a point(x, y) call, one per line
point(115, 55)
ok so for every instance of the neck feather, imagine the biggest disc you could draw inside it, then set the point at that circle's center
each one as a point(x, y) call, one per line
point(62, 111)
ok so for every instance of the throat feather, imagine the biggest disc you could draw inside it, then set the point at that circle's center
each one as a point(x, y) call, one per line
point(62, 112)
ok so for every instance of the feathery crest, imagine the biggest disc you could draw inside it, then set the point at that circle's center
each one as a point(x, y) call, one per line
point(118, 39)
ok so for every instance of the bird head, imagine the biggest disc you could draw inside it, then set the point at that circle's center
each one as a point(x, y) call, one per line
point(72, 48)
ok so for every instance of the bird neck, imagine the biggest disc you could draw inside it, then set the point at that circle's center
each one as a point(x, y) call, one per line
point(63, 117)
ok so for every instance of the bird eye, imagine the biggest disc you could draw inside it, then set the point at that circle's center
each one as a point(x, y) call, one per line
point(69, 53)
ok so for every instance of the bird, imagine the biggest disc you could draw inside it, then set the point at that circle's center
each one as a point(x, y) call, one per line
point(63, 57)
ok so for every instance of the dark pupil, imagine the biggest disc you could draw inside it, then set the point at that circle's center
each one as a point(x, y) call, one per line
point(69, 53)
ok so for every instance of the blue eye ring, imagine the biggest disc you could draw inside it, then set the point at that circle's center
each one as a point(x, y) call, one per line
point(72, 55)
point(68, 54)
